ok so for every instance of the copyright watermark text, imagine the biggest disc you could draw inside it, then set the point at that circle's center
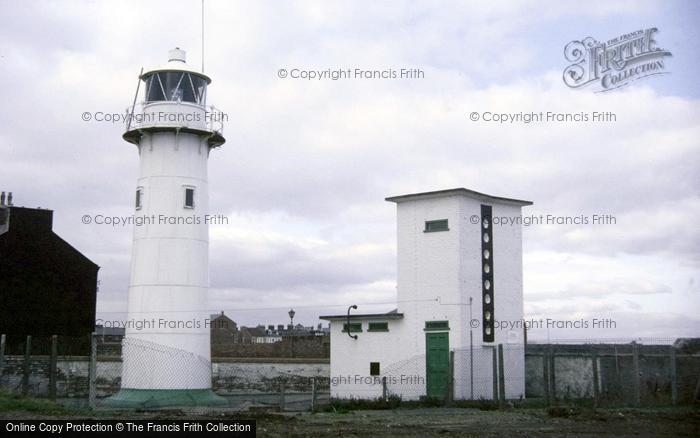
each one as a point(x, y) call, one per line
point(337, 74)
point(154, 219)
point(549, 219)
point(542, 117)
point(155, 117)
point(550, 323)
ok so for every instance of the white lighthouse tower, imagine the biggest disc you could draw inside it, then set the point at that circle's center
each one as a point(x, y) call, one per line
point(166, 355)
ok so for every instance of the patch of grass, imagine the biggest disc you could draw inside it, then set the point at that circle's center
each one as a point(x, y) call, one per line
point(344, 406)
point(481, 404)
point(431, 402)
point(16, 402)
point(563, 411)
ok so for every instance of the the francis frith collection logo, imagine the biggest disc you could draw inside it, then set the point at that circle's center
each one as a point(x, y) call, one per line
point(614, 63)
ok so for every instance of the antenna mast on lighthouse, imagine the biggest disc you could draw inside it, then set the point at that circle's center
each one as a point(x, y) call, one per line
point(202, 36)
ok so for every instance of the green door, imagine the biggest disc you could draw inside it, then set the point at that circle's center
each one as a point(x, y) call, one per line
point(437, 364)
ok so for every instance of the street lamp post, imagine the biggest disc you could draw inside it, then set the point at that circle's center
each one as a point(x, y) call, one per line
point(291, 334)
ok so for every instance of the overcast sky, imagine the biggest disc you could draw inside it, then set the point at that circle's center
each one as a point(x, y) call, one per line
point(307, 164)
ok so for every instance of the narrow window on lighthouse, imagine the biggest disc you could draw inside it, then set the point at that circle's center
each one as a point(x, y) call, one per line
point(189, 197)
point(139, 197)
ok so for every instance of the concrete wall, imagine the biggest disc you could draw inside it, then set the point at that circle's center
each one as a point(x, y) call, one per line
point(250, 378)
point(573, 371)
point(228, 376)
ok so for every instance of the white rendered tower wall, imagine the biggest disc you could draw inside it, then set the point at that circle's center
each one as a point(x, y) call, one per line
point(169, 269)
point(441, 277)
point(166, 349)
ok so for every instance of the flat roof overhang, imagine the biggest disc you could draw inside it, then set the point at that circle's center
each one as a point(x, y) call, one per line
point(458, 192)
point(382, 316)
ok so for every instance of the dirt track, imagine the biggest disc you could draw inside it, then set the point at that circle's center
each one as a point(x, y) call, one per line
point(466, 422)
point(448, 422)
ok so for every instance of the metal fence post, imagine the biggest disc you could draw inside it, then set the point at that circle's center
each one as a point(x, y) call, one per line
point(552, 374)
point(451, 380)
point(25, 369)
point(501, 378)
point(545, 376)
point(674, 377)
point(53, 367)
point(594, 359)
point(495, 374)
point(2, 355)
point(384, 391)
point(92, 371)
point(281, 395)
point(635, 364)
point(313, 394)
point(471, 365)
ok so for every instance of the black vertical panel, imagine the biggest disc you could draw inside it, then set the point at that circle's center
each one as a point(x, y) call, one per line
point(487, 286)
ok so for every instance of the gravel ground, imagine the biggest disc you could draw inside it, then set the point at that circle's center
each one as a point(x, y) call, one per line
point(467, 422)
point(449, 422)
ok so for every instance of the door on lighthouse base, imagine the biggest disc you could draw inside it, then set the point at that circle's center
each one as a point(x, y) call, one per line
point(437, 364)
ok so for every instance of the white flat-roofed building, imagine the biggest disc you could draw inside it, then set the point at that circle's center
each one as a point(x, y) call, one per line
point(460, 283)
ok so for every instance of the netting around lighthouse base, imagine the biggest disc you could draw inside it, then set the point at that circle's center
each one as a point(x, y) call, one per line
point(156, 375)
point(149, 365)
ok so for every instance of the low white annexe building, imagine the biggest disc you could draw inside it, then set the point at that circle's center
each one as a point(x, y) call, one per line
point(460, 295)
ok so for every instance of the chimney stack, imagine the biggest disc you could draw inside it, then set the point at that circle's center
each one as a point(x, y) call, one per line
point(2, 199)
point(9, 199)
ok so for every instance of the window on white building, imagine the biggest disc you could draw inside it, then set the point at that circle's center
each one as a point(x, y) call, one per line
point(354, 327)
point(189, 197)
point(139, 197)
point(378, 327)
point(436, 225)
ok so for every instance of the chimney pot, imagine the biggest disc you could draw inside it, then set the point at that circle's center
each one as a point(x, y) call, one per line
point(2, 199)
point(9, 199)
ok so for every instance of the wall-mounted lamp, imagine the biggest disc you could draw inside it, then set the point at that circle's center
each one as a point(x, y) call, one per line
point(348, 326)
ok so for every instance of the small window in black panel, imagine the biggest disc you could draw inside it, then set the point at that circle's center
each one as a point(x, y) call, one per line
point(374, 368)
point(437, 225)
point(189, 197)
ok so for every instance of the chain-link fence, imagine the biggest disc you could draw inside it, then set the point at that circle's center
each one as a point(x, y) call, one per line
point(90, 372)
point(647, 372)
point(44, 366)
point(650, 372)
point(78, 371)
point(470, 374)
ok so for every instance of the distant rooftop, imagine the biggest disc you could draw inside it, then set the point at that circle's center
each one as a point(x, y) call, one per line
point(458, 192)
